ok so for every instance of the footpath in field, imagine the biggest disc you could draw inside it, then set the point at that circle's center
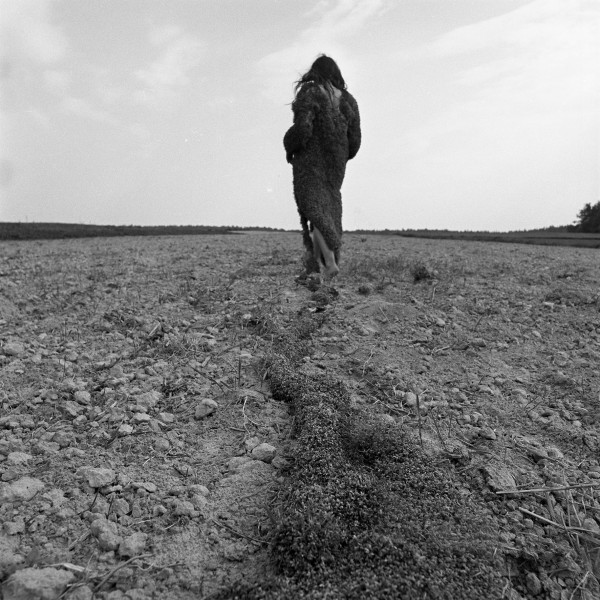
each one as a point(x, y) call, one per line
point(182, 420)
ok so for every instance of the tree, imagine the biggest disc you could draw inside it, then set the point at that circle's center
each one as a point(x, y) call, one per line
point(589, 219)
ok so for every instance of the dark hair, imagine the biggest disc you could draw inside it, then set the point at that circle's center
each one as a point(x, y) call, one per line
point(323, 70)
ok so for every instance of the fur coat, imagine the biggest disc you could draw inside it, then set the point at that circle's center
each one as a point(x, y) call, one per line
point(325, 135)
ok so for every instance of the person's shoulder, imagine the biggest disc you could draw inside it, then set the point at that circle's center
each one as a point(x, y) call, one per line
point(310, 88)
point(309, 95)
point(349, 98)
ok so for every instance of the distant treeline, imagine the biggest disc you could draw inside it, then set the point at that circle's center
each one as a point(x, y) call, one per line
point(551, 236)
point(45, 231)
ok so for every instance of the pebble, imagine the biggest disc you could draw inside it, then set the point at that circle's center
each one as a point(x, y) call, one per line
point(148, 399)
point(534, 585)
point(235, 463)
point(14, 527)
point(133, 544)
point(82, 397)
point(9, 559)
point(106, 533)
point(251, 443)
point(72, 408)
point(198, 488)
point(125, 429)
point(121, 506)
point(166, 417)
point(22, 489)
point(18, 458)
point(264, 452)
point(206, 407)
point(97, 476)
point(36, 584)
point(145, 485)
point(13, 349)
point(83, 592)
point(487, 433)
point(410, 399)
point(140, 417)
point(183, 508)
point(499, 478)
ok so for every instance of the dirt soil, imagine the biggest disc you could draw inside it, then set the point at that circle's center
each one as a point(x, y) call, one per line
point(142, 451)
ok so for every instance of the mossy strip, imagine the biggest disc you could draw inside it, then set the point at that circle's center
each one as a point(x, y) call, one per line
point(365, 513)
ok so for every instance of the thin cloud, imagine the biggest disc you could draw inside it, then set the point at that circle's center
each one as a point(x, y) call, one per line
point(335, 23)
point(81, 108)
point(534, 67)
point(162, 80)
point(28, 34)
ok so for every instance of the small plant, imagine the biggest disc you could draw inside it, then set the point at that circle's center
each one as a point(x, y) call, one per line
point(420, 271)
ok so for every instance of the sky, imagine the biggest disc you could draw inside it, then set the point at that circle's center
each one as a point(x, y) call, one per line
point(476, 114)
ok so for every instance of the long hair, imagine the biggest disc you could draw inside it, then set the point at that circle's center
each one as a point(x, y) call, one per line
point(323, 71)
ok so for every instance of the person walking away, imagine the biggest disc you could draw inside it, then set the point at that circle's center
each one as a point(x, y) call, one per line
point(325, 135)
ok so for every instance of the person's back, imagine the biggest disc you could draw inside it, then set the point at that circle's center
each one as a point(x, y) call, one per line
point(325, 135)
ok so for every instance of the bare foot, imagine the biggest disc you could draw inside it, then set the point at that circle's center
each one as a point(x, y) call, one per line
point(331, 271)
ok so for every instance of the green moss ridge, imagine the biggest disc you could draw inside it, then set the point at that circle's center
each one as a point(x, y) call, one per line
point(365, 513)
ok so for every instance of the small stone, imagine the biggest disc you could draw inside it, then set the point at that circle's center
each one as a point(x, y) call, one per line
point(21, 490)
point(56, 496)
point(251, 443)
point(125, 429)
point(120, 506)
point(83, 592)
point(264, 452)
point(183, 508)
point(9, 559)
point(387, 419)
point(487, 433)
point(555, 453)
point(36, 584)
point(149, 399)
point(162, 444)
point(140, 417)
point(13, 349)
point(64, 438)
point(72, 408)
point(97, 476)
point(534, 585)
point(499, 478)
point(410, 399)
point(133, 544)
point(106, 533)
point(18, 458)
point(14, 527)
point(166, 417)
point(206, 407)
point(198, 488)
point(82, 397)
point(145, 485)
point(591, 524)
point(200, 502)
point(235, 463)
point(43, 447)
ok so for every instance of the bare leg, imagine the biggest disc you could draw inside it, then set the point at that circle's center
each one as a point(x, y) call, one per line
point(323, 253)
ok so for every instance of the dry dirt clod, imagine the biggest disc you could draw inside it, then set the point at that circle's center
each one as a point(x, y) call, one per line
point(23, 489)
point(36, 584)
point(264, 452)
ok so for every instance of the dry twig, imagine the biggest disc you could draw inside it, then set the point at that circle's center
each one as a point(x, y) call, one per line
point(554, 489)
point(113, 571)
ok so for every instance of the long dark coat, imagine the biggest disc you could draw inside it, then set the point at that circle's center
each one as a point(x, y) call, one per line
point(324, 136)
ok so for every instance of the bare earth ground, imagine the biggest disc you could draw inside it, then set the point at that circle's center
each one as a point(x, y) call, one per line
point(142, 451)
